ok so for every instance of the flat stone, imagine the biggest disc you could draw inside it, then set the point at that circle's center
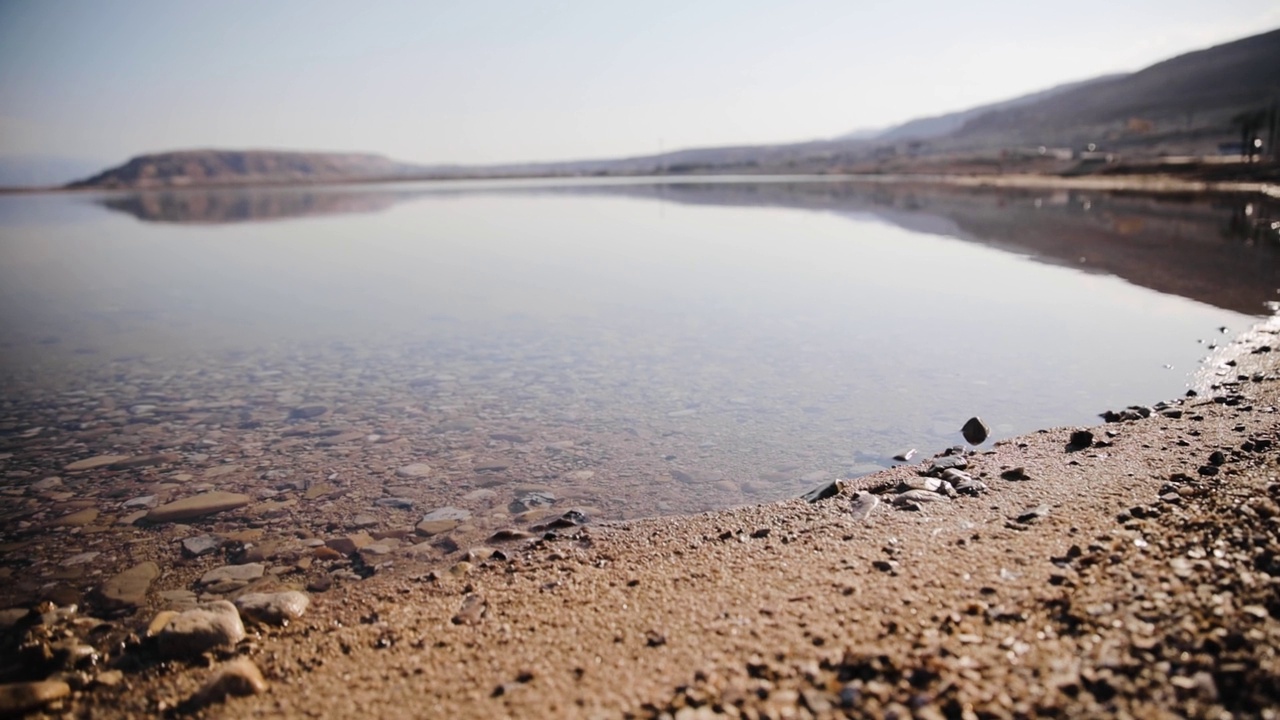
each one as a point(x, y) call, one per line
point(319, 490)
point(905, 456)
point(917, 496)
point(95, 462)
point(531, 501)
point(200, 545)
point(141, 461)
point(80, 559)
point(394, 502)
point(276, 608)
point(197, 506)
point(416, 470)
point(48, 483)
point(920, 483)
point(233, 573)
point(195, 631)
point(364, 521)
point(947, 462)
point(306, 412)
point(341, 438)
point(143, 501)
point(442, 520)
point(348, 544)
point(22, 697)
point(239, 677)
point(975, 431)
point(128, 589)
point(79, 518)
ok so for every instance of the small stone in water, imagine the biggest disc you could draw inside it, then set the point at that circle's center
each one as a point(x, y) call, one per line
point(975, 431)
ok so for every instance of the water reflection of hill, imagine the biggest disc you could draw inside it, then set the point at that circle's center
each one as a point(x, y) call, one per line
point(233, 206)
point(1219, 250)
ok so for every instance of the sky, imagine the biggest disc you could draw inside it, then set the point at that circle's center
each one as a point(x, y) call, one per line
point(495, 81)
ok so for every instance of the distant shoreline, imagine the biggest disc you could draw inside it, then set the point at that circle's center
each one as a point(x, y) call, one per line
point(1156, 183)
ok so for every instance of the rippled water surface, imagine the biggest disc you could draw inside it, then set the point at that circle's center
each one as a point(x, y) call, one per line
point(633, 347)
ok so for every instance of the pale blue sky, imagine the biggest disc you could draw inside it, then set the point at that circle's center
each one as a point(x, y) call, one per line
point(493, 81)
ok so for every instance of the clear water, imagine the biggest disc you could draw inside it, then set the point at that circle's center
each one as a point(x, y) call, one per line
point(690, 346)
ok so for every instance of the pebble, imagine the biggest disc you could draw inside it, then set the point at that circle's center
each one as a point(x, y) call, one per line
point(93, 463)
point(916, 496)
point(233, 573)
point(1018, 473)
point(239, 677)
point(348, 544)
point(975, 431)
point(822, 492)
point(947, 462)
point(21, 697)
point(197, 506)
point(80, 559)
point(442, 520)
point(531, 501)
point(78, 519)
point(472, 611)
point(276, 608)
point(416, 470)
point(1080, 439)
point(200, 545)
point(1032, 514)
point(863, 504)
point(195, 631)
point(306, 412)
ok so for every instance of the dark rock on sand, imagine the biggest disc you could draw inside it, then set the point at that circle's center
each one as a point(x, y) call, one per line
point(1080, 439)
point(822, 492)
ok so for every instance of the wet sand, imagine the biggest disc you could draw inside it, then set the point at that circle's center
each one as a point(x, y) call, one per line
point(1133, 577)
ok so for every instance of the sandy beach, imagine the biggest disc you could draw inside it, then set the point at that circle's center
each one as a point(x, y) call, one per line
point(1133, 575)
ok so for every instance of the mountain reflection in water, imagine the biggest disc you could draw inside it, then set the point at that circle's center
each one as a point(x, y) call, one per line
point(1220, 250)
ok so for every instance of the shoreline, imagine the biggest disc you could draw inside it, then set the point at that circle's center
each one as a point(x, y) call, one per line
point(1149, 183)
point(1124, 577)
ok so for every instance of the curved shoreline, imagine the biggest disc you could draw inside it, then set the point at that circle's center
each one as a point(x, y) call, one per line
point(1119, 578)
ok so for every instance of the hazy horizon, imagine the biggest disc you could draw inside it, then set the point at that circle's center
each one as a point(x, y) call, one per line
point(496, 82)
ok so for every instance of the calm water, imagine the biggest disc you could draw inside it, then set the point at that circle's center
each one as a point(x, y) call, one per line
point(701, 344)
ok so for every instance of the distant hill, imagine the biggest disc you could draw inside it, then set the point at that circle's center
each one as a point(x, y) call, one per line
point(30, 171)
point(1189, 99)
point(940, 125)
point(245, 167)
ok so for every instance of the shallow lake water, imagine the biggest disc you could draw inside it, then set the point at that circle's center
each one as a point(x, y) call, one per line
point(634, 347)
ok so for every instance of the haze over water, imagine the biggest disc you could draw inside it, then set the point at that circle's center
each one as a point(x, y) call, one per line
point(701, 345)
